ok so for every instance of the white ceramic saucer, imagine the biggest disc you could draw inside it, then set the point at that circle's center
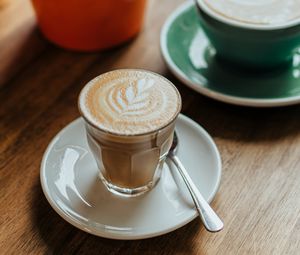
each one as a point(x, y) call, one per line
point(69, 178)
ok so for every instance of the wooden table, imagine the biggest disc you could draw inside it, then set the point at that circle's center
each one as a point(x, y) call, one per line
point(259, 196)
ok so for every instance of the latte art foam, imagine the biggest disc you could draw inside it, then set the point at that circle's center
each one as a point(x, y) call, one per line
point(259, 12)
point(129, 102)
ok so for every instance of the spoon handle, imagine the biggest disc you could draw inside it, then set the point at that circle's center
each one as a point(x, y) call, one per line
point(210, 219)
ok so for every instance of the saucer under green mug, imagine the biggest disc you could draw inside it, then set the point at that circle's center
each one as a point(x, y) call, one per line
point(192, 59)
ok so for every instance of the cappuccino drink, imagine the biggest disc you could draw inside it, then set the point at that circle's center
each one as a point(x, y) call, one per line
point(260, 12)
point(130, 117)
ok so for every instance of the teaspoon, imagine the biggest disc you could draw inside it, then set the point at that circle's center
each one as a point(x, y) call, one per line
point(210, 219)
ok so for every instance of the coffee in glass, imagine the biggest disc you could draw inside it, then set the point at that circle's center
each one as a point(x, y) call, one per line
point(130, 117)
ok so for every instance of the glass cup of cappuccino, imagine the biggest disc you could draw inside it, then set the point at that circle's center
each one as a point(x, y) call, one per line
point(129, 117)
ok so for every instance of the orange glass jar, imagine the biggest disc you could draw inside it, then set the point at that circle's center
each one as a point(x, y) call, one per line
point(89, 24)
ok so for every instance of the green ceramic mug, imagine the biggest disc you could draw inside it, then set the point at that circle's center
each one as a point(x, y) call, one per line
point(250, 45)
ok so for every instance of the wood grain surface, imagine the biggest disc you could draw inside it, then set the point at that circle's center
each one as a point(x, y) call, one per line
point(259, 196)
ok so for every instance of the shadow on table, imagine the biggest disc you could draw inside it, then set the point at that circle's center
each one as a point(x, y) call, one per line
point(238, 122)
point(60, 237)
point(19, 50)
